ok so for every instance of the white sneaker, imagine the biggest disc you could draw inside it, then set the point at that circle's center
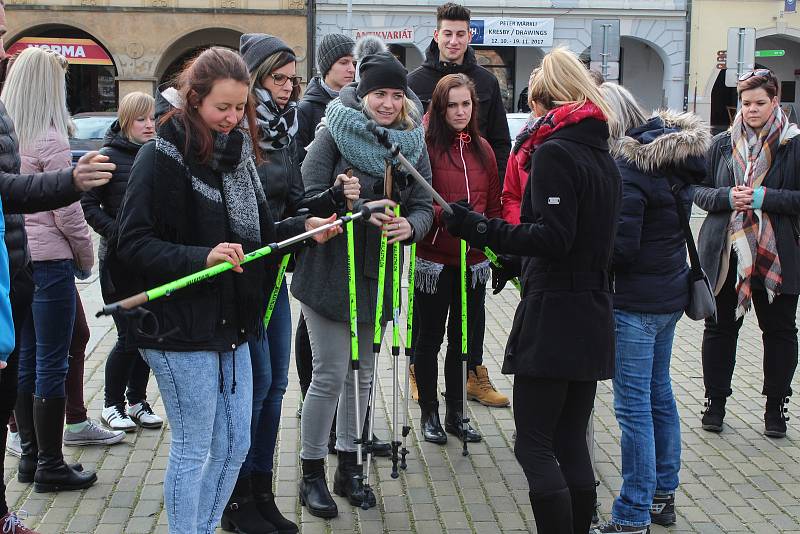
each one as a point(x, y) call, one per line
point(116, 419)
point(13, 445)
point(144, 416)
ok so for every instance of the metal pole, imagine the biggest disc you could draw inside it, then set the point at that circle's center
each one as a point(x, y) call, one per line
point(605, 54)
point(349, 29)
point(740, 64)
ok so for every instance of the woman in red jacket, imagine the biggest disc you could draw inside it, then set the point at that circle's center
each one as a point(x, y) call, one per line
point(463, 166)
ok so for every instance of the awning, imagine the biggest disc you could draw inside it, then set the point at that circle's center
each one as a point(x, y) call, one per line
point(77, 51)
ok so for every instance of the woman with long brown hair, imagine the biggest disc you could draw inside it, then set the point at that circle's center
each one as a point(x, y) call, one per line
point(463, 166)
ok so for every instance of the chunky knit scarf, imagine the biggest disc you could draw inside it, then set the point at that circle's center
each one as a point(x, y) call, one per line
point(229, 179)
point(276, 127)
point(751, 231)
point(348, 126)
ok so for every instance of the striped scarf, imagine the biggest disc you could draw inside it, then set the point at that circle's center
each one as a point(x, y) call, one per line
point(751, 231)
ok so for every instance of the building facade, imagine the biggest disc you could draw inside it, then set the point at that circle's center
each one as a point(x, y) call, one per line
point(652, 44)
point(776, 30)
point(118, 46)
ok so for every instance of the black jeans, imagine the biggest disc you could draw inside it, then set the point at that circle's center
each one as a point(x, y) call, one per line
point(779, 334)
point(21, 300)
point(125, 367)
point(551, 417)
point(430, 318)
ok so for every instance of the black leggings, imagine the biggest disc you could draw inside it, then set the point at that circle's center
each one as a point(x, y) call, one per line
point(779, 333)
point(551, 417)
point(302, 354)
point(430, 318)
point(125, 367)
point(21, 299)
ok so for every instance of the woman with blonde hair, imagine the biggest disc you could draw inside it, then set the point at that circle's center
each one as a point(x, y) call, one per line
point(61, 248)
point(125, 368)
point(562, 339)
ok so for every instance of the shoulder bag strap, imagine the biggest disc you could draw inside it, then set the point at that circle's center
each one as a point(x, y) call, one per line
point(694, 259)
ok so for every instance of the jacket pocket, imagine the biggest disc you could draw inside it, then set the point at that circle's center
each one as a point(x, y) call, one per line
point(189, 318)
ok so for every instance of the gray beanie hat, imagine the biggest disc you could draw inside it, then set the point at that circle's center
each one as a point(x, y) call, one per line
point(333, 47)
point(257, 47)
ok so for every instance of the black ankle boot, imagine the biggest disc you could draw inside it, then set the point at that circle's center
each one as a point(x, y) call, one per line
point(429, 425)
point(714, 414)
point(314, 493)
point(348, 481)
point(552, 512)
point(583, 507)
point(265, 501)
point(379, 446)
point(452, 422)
point(242, 515)
point(775, 417)
point(52, 474)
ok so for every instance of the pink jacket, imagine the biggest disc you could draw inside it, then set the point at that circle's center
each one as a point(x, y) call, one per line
point(60, 234)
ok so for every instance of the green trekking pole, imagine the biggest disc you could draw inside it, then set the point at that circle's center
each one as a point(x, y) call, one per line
point(354, 361)
point(377, 340)
point(395, 351)
point(494, 260)
point(412, 261)
point(210, 272)
point(273, 296)
point(464, 351)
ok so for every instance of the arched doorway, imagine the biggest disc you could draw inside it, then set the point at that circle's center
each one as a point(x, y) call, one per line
point(91, 79)
point(642, 72)
point(191, 44)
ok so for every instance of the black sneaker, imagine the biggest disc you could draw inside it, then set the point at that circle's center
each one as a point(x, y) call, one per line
point(714, 414)
point(662, 511)
point(775, 417)
point(611, 527)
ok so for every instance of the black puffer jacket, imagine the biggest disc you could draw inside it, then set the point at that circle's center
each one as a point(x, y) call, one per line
point(26, 193)
point(491, 112)
point(282, 181)
point(650, 270)
point(310, 111)
point(100, 205)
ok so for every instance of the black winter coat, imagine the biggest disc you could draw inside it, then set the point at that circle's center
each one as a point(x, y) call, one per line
point(205, 313)
point(26, 193)
point(101, 204)
point(310, 111)
point(282, 181)
point(564, 325)
point(491, 111)
point(650, 270)
point(781, 202)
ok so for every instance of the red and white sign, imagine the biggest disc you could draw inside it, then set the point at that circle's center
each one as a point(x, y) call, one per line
point(77, 51)
point(389, 35)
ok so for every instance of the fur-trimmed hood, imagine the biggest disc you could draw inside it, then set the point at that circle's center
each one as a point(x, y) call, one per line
point(667, 140)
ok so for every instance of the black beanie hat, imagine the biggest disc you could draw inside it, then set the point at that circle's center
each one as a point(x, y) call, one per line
point(257, 47)
point(381, 71)
point(333, 47)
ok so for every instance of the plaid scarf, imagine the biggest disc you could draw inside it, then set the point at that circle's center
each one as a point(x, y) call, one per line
point(751, 231)
point(276, 127)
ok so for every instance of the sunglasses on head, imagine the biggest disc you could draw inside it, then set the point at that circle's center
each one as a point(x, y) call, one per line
point(281, 79)
point(752, 73)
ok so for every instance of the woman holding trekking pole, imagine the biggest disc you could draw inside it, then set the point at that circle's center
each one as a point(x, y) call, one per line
point(194, 200)
point(320, 280)
point(463, 166)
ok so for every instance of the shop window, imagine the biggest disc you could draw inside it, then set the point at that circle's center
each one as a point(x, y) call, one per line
point(500, 62)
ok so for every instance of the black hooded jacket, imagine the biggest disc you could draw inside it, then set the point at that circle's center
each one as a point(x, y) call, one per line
point(491, 112)
point(310, 111)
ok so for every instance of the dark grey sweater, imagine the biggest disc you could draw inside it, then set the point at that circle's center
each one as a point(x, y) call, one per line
point(320, 278)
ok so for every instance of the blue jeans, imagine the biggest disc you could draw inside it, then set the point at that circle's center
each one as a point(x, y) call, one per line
point(270, 357)
point(646, 413)
point(46, 336)
point(210, 423)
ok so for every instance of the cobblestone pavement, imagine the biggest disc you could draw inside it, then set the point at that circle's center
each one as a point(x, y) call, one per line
point(738, 481)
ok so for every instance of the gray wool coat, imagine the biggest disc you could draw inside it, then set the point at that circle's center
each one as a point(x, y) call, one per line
point(320, 278)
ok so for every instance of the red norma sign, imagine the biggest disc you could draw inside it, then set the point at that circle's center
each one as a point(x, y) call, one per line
point(77, 51)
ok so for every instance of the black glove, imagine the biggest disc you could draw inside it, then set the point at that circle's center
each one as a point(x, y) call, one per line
point(466, 224)
point(509, 268)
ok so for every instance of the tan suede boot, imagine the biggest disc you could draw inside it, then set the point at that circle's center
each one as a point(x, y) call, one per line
point(480, 388)
point(412, 383)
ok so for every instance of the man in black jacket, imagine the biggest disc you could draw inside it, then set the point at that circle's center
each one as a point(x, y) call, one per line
point(335, 68)
point(30, 193)
point(450, 53)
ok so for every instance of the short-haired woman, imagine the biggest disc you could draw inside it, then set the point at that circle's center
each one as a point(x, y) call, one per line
point(125, 368)
point(748, 247)
point(562, 340)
